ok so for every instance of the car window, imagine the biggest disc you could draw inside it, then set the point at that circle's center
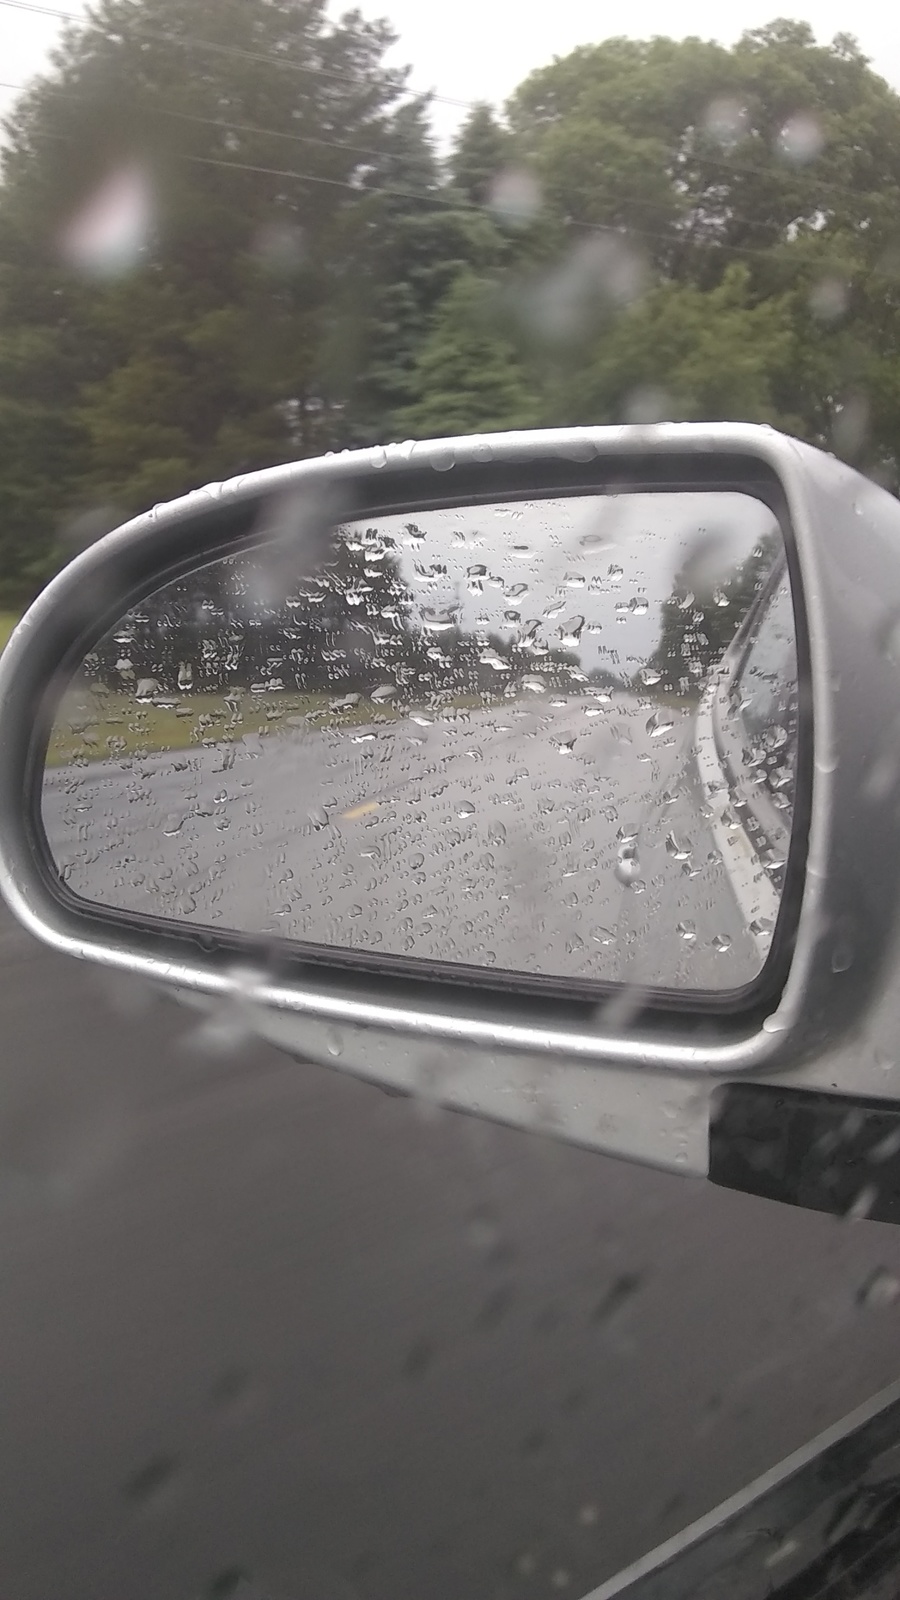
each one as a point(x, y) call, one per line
point(268, 1331)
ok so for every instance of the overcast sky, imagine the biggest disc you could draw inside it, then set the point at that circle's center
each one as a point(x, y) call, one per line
point(480, 49)
point(604, 562)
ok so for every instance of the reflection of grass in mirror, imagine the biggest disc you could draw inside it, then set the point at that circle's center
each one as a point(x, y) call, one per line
point(8, 620)
point(94, 726)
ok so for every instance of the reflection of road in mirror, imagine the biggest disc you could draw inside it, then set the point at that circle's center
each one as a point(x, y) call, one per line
point(372, 766)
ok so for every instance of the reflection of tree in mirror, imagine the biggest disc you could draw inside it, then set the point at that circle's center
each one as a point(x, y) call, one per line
point(219, 629)
point(351, 627)
point(699, 623)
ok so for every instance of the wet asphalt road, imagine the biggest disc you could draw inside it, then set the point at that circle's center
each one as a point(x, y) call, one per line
point(490, 837)
point(257, 1317)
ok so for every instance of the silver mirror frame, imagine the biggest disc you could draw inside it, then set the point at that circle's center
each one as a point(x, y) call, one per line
point(843, 546)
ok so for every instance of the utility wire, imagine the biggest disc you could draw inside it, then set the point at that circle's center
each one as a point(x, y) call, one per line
point(237, 51)
point(218, 122)
point(334, 144)
point(608, 228)
point(282, 61)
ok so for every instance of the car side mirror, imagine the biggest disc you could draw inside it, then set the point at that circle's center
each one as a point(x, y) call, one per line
point(553, 776)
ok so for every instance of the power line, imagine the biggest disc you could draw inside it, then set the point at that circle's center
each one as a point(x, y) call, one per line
point(447, 202)
point(433, 198)
point(440, 200)
point(237, 51)
point(760, 172)
point(43, 11)
point(333, 144)
point(297, 66)
point(218, 122)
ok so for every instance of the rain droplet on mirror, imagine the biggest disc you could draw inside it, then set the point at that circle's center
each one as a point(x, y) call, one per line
point(627, 868)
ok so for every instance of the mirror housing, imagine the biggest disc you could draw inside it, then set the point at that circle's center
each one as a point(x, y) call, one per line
point(633, 1075)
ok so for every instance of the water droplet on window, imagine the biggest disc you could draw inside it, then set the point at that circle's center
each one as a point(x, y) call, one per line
point(828, 299)
point(802, 138)
point(439, 621)
point(151, 1479)
point(726, 121)
point(862, 1204)
point(880, 1289)
point(842, 956)
point(109, 235)
point(590, 542)
point(515, 197)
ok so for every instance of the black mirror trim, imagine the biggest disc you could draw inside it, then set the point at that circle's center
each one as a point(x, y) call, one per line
point(825, 1152)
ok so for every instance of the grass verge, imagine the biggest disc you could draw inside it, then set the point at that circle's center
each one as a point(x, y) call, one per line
point(93, 726)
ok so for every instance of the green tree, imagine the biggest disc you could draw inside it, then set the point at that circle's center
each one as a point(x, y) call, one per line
point(468, 377)
point(682, 353)
point(702, 150)
point(699, 622)
point(667, 166)
point(238, 136)
point(406, 247)
point(482, 151)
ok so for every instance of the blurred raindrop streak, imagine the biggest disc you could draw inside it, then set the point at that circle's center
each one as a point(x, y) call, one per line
point(109, 235)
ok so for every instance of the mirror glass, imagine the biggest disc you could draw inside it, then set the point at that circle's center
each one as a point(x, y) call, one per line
point(550, 738)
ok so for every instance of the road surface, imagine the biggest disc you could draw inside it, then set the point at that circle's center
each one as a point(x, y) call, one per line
point(562, 836)
point(259, 1318)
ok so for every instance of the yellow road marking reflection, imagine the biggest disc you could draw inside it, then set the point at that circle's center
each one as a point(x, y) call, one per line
point(360, 811)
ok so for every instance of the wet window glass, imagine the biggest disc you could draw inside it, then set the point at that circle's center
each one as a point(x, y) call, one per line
point(268, 1332)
